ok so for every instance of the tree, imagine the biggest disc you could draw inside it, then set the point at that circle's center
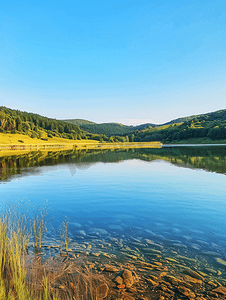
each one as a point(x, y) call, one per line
point(60, 128)
point(18, 124)
point(132, 138)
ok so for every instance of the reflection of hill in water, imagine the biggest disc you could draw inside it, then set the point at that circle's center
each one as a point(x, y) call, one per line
point(211, 158)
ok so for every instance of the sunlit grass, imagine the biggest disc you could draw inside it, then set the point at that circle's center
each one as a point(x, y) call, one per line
point(29, 277)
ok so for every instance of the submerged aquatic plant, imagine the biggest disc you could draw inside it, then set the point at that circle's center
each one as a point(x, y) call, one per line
point(64, 235)
point(39, 226)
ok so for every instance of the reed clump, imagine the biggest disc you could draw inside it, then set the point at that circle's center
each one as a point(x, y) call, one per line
point(27, 276)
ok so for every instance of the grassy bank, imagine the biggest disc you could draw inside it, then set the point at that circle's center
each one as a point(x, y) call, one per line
point(17, 143)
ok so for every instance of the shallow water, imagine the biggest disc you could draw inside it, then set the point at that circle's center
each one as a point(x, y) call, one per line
point(174, 197)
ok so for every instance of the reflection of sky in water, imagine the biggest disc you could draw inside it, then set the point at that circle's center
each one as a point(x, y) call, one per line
point(134, 192)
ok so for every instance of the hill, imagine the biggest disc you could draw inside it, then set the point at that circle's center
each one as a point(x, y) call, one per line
point(39, 127)
point(108, 129)
point(203, 128)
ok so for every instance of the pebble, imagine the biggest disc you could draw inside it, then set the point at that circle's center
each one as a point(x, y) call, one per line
point(111, 269)
point(77, 225)
point(102, 290)
point(98, 231)
point(81, 232)
point(153, 244)
point(221, 290)
point(186, 292)
point(193, 274)
point(150, 232)
point(220, 261)
point(127, 278)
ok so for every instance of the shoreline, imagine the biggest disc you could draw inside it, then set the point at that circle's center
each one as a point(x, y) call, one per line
point(23, 148)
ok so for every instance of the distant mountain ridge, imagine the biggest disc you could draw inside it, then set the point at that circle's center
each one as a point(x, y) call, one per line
point(120, 129)
point(203, 128)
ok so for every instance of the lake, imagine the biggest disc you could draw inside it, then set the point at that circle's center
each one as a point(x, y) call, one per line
point(171, 199)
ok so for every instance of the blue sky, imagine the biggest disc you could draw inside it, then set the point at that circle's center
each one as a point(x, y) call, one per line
point(123, 61)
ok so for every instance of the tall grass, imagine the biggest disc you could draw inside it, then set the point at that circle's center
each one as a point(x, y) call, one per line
point(12, 262)
point(29, 277)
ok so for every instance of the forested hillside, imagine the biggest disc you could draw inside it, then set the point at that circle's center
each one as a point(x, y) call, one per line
point(202, 128)
point(36, 126)
point(108, 129)
point(206, 127)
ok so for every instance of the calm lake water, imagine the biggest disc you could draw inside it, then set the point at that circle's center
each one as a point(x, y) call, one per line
point(174, 196)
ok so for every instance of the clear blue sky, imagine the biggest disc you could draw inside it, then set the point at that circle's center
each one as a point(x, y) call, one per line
point(125, 61)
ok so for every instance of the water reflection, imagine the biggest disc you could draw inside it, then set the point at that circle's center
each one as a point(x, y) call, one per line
point(207, 158)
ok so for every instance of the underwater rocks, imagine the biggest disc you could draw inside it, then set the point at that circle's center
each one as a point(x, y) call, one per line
point(81, 233)
point(102, 290)
point(127, 278)
point(111, 269)
point(98, 231)
point(221, 261)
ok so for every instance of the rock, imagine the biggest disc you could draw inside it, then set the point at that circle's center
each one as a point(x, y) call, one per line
point(61, 287)
point(212, 283)
point(121, 286)
point(95, 254)
point(193, 274)
point(221, 290)
point(77, 225)
point(186, 292)
point(165, 289)
point(152, 282)
point(151, 250)
point(212, 294)
point(192, 279)
point(211, 271)
point(119, 280)
point(220, 261)
point(153, 244)
point(172, 260)
point(176, 230)
point(102, 290)
point(153, 277)
point(179, 245)
point(173, 280)
point(195, 247)
point(150, 232)
point(202, 242)
point(111, 269)
point(98, 231)
point(81, 232)
point(127, 278)
point(163, 274)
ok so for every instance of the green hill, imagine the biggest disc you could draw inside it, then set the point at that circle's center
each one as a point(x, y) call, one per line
point(36, 126)
point(205, 128)
point(107, 129)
